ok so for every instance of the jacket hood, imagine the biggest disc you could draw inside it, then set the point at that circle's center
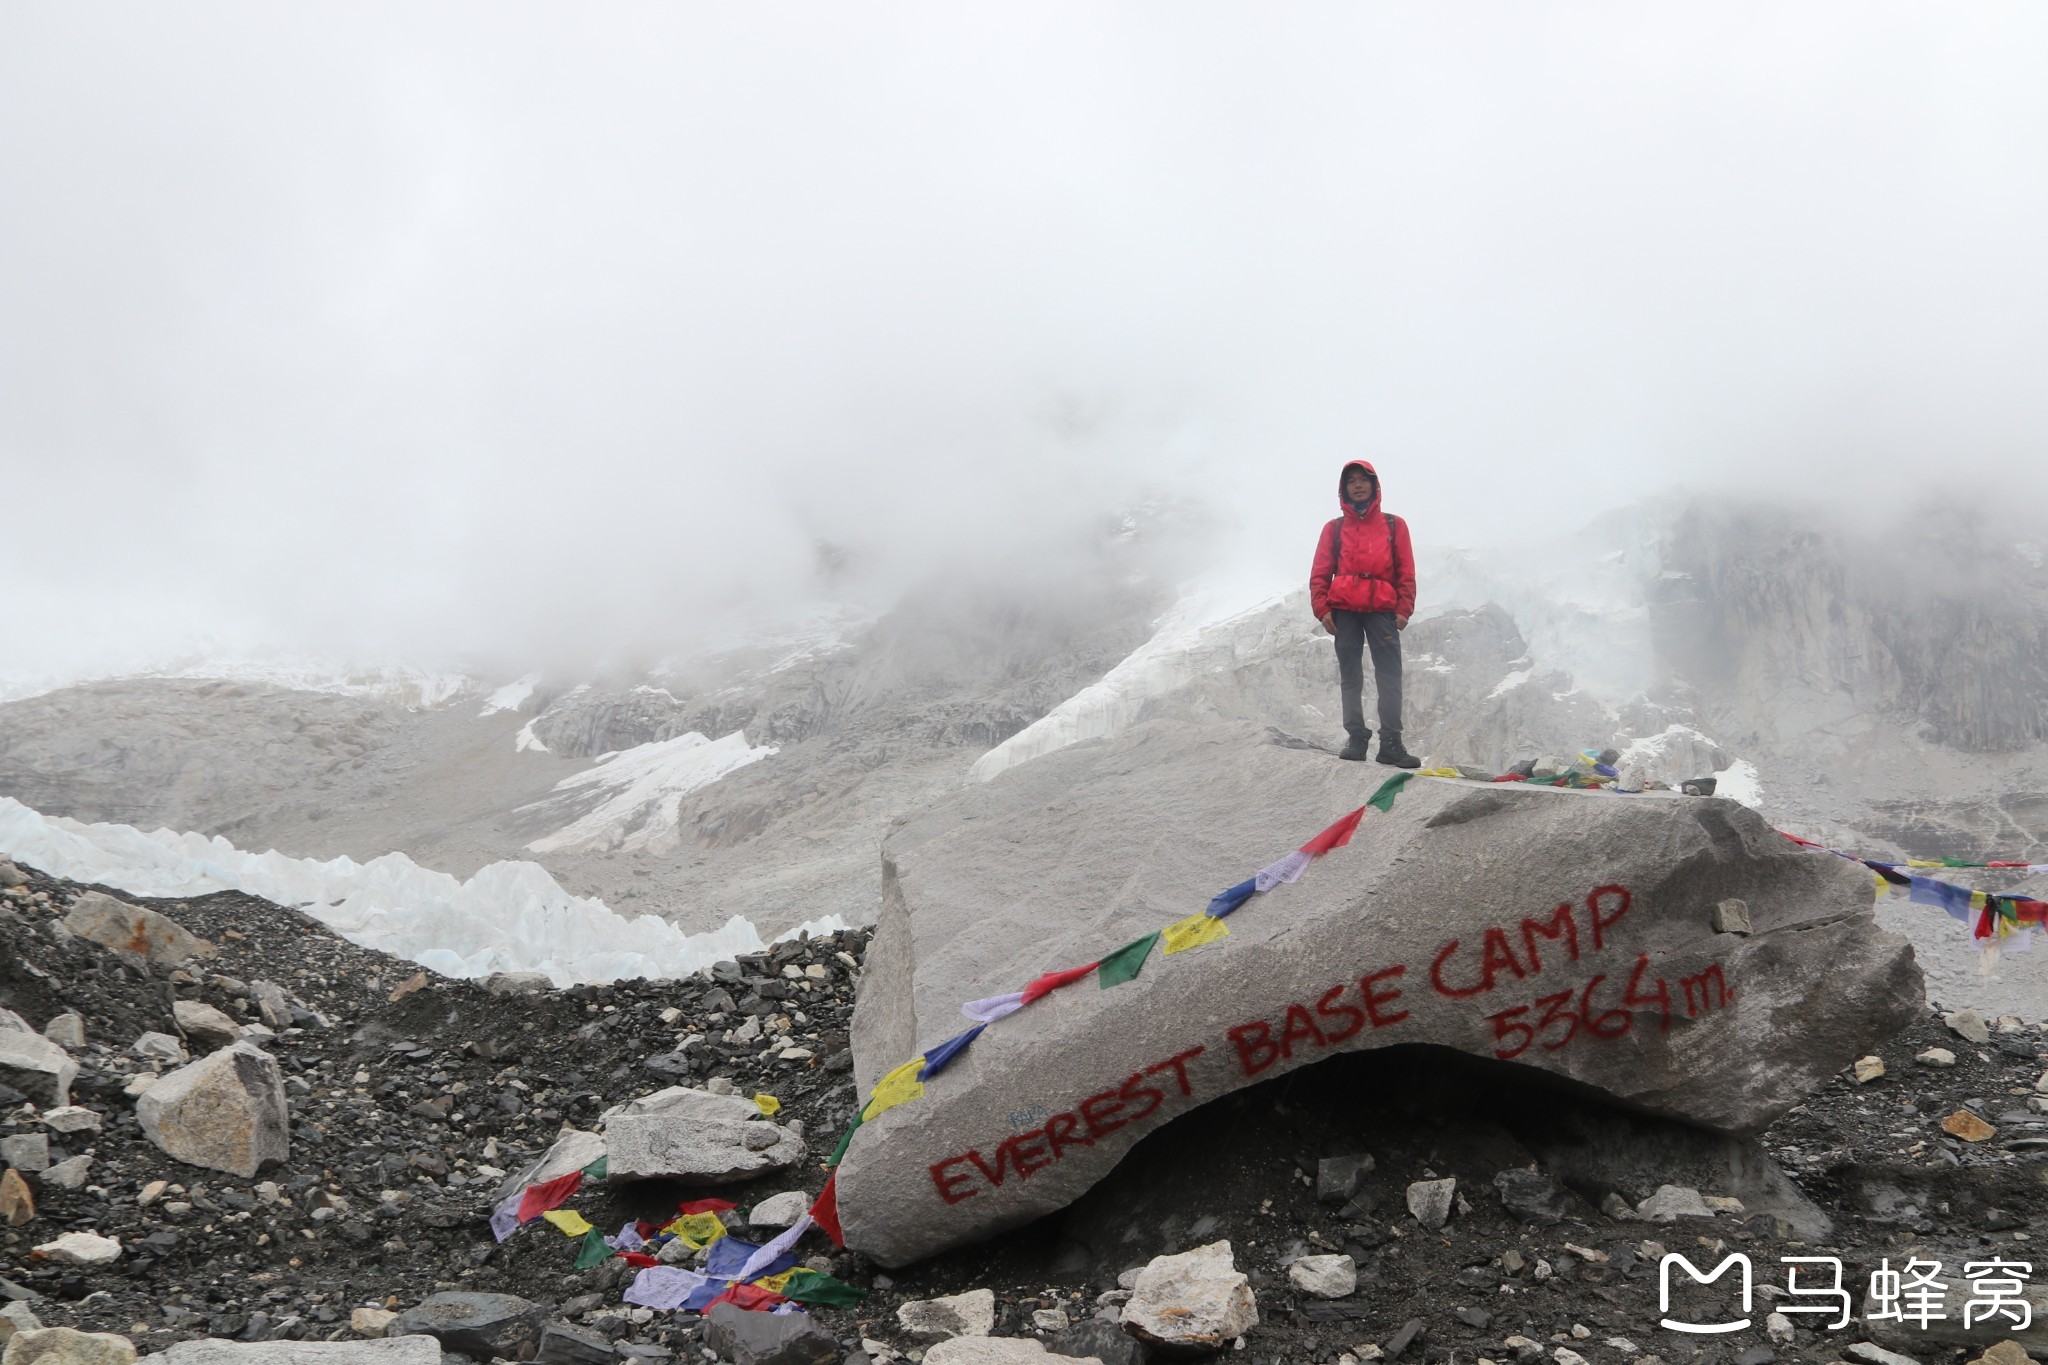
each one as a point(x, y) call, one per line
point(1344, 503)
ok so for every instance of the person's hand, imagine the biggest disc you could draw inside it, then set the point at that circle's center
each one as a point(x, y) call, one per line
point(1400, 623)
point(1329, 622)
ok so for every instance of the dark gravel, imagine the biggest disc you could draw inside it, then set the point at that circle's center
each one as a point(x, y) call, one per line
point(384, 1198)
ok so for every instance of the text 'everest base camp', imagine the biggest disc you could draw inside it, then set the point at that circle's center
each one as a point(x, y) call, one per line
point(1561, 932)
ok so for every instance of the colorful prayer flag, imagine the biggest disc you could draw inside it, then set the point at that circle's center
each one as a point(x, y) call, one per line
point(1383, 799)
point(568, 1222)
point(774, 1256)
point(696, 1230)
point(1192, 932)
point(594, 1251)
point(748, 1296)
point(898, 1087)
point(1450, 772)
point(825, 1210)
point(1287, 870)
point(846, 1138)
point(598, 1169)
point(1052, 981)
point(937, 1059)
point(816, 1287)
point(994, 1008)
point(505, 1218)
point(706, 1206)
point(1228, 900)
point(538, 1199)
point(1340, 831)
point(774, 1284)
point(662, 1287)
point(768, 1105)
point(1126, 962)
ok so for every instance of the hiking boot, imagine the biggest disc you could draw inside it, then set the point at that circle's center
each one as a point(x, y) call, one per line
point(1392, 754)
point(1354, 748)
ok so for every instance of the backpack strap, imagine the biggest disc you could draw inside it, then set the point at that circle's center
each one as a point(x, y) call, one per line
point(1393, 551)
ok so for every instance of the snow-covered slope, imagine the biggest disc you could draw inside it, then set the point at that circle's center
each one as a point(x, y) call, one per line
point(510, 916)
point(641, 792)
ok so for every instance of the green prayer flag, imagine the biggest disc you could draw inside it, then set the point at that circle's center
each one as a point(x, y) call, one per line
point(1126, 962)
point(1383, 799)
point(596, 1169)
point(859, 1117)
point(1958, 862)
point(593, 1251)
point(814, 1287)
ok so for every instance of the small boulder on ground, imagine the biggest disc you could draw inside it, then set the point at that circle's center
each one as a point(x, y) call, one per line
point(66, 1030)
point(225, 1112)
point(1671, 1203)
point(1530, 1195)
point(1195, 1301)
point(81, 1248)
point(160, 1047)
point(397, 1351)
point(116, 924)
point(685, 1134)
point(1325, 1277)
point(67, 1346)
point(993, 1351)
point(768, 1338)
point(17, 1203)
point(483, 1325)
point(779, 1210)
point(1430, 1201)
point(1968, 1025)
point(37, 1067)
point(205, 1025)
point(972, 1314)
point(1337, 1177)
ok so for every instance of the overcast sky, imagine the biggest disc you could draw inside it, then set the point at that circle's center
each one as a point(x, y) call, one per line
point(436, 328)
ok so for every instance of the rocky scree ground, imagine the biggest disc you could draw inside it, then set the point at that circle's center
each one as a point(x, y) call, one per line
point(406, 1112)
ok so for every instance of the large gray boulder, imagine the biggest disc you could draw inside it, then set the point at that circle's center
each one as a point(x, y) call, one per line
point(132, 929)
point(1570, 932)
point(37, 1067)
point(225, 1112)
point(397, 1351)
point(685, 1134)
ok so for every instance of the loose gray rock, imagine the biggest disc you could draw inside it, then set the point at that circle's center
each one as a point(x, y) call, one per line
point(11, 876)
point(1872, 1354)
point(572, 1151)
point(1430, 1201)
point(71, 1118)
point(1337, 1177)
point(1968, 1025)
point(972, 1314)
point(1731, 917)
point(116, 924)
point(422, 1350)
point(1195, 1301)
point(1530, 1195)
point(779, 1210)
point(70, 1173)
point(767, 1338)
point(1937, 1057)
point(82, 1248)
point(1325, 1277)
point(67, 1346)
point(66, 1030)
point(686, 1134)
point(160, 1047)
point(1671, 1203)
point(561, 1344)
point(516, 983)
point(37, 1067)
point(26, 1152)
point(204, 1024)
point(1428, 954)
point(1102, 1341)
point(989, 1351)
point(225, 1112)
point(16, 1317)
point(484, 1325)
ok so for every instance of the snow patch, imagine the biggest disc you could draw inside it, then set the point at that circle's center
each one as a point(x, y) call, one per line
point(526, 740)
point(1207, 631)
point(1739, 782)
point(642, 792)
point(509, 917)
point(1511, 682)
point(511, 696)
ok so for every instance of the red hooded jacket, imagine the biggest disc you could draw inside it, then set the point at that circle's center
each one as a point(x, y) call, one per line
point(1362, 561)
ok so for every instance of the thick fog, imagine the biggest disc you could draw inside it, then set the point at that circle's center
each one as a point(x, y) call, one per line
point(539, 331)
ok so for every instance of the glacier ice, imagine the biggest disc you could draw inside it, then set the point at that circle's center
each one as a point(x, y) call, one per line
point(642, 790)
point(509, 917)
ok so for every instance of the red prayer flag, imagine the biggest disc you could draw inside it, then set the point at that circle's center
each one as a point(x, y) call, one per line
point(1807, 843)
point(1512, 777)
point(2030, 911)
point(1336, 836)
point(639, 1259)
point(538, 1199)
point(825, 1211)
point(751, 1297)
point(1052, 981)
point(706, 1206)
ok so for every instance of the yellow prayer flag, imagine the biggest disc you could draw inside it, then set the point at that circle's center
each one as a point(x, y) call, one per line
point(1438, 772)
point(1192, 932)
point(768, 1105)
point(696, 1230)
point(1883, 887)
point(1978, 900)
point(898, 1087)
point(567, 1221)
point(1921, 862)
point(775, 1284)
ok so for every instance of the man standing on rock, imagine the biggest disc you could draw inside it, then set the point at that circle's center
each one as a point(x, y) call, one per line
point(1361, 586)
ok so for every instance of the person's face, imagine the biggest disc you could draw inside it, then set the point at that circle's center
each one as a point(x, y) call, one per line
point(1357, 485)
